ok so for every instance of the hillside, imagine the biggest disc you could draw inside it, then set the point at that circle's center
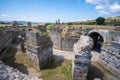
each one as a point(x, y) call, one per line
point(111, 21)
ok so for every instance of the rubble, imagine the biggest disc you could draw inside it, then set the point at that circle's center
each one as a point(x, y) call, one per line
point(9, 73)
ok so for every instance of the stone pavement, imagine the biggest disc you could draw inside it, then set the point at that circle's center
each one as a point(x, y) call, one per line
point(69, 55)
point(64, 54)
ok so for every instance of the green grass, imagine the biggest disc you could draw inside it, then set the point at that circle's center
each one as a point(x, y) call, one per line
point(50, 27)
point(62, 72)
point(16, 60)
point(66, 70)
point(85, 26)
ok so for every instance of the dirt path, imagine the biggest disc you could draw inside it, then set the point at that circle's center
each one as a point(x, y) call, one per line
point(64, 54)
point(69, 55)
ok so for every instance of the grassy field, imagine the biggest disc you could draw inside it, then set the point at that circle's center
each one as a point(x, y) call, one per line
point(85, 26)
point(62, 72)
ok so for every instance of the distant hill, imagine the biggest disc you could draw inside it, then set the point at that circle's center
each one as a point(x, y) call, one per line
point(112, 21)
point(20, 22)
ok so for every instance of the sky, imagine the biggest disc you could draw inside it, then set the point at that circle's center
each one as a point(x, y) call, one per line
point(52, 10)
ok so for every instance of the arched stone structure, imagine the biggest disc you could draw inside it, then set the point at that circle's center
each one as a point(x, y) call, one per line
point(99, 37)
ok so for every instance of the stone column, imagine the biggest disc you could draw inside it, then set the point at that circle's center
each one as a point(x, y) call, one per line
point(82, 58)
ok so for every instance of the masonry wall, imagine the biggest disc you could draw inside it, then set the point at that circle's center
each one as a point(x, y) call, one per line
point(38, 49)
point(6, 37)
point(110, 57)
point(56, 38)
point(67, 43)
point(63, 43)
point(9, 73)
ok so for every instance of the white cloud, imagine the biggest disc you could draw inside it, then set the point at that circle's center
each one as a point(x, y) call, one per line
point(92, 1)
point(115, 7)
point(22, 17)
point(4, 15)
point(106, 7)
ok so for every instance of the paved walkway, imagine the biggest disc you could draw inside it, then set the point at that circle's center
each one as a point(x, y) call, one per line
point(69, 55)
point(64, 54)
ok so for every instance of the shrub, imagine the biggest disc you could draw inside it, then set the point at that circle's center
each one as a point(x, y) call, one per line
point(100, 20)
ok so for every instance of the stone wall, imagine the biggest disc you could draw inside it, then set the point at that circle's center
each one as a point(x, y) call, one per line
point(38, 48)
point(64, 39)
point(67, 43)
point(56, 38)
point(9, 73)
point(5, 39)
point(110, 56)
point(108, 35)
point(7, 36)
point(82, 58)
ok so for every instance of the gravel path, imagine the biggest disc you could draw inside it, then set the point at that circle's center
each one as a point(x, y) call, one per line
point(63, 54)
point(69, 55)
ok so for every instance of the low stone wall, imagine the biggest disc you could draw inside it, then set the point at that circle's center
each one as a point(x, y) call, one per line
point(110, 57)
point(9, 73)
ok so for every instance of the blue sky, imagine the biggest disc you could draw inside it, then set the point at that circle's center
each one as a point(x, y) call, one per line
point(51, 10)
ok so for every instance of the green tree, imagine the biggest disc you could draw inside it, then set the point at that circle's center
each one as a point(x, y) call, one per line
point(100, 20)
point(69, 23)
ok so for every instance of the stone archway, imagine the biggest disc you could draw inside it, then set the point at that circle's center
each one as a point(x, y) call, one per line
point(97, 39)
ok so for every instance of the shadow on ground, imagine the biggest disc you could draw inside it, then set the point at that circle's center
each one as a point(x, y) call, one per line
point(10, 59)
point(94, 72)
point(55, 62)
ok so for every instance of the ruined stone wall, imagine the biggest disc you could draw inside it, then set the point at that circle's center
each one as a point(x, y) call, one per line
point(56, 38)
point(67, 43)
point(9, 73)
point(38, 49)
point(110, 56)
point(108, 35)
point(64, 40)
point(5, 39)
point(82, 58)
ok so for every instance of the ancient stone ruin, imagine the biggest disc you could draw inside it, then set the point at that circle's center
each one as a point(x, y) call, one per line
point(82, 58)
point(38, 48)
point(9, 73)
point(110, 56)
point(63, 37)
